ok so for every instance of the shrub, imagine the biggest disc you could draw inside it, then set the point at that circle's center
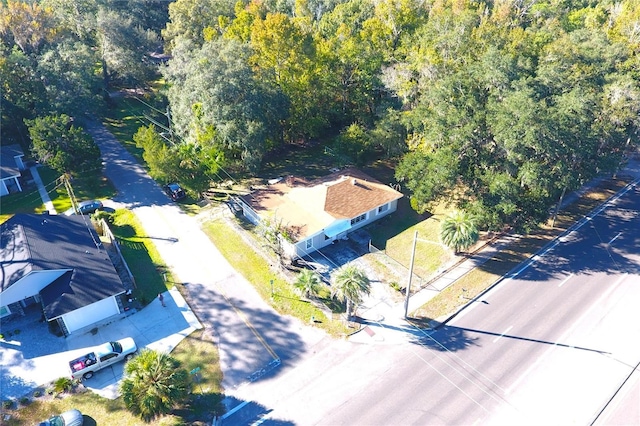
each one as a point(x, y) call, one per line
point(7, 404)
point(63, 384)
point(394, 285)
point(37, 394)
point(24, 400)
point(101, 214)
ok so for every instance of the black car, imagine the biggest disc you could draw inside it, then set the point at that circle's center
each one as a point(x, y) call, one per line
point(85, 207)
point(174, 191)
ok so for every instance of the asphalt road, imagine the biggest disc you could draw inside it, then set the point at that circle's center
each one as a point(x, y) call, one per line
point(551, 345)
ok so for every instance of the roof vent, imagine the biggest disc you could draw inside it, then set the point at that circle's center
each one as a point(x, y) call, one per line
point(354, 181)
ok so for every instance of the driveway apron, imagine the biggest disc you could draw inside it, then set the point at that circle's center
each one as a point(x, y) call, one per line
point(252, 338)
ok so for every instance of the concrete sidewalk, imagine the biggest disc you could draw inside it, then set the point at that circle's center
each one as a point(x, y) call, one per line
point(46, 200)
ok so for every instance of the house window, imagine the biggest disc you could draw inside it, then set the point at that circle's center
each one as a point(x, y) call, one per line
point(358, 219)
point(309, 243)
point(4, 311)
point(383, 208)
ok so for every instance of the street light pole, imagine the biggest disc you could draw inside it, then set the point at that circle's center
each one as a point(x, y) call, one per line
point(408, 292)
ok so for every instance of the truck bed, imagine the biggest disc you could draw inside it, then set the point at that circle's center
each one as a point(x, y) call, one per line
point(82, 362)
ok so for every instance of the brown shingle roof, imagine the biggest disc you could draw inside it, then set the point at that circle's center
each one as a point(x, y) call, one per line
point(308, 207)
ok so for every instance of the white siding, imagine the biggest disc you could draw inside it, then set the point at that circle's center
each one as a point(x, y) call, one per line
point(319, 241)
point(90, 314)
point(29, 286)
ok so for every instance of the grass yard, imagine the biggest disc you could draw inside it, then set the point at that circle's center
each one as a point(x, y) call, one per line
point(483, 277)
point(256, 270)
point(130, 112)
point(29, 200)
point(141, 255)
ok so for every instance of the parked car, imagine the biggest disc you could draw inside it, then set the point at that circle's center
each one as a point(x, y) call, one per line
point(85, 207)
point(102, 356)
point(68, 418)
point(174, 191)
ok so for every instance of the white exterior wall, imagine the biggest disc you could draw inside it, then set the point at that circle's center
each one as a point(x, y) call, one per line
point(319, 241)
point(29, 286)
point(90, 314)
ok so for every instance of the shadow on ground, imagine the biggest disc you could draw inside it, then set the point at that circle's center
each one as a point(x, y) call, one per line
point(248, 413)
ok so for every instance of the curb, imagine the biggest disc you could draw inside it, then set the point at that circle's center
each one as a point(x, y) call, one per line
point(544, 249)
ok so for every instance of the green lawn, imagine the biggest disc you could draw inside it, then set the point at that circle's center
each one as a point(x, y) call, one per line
point(479, 279)
point(29, 201)
point(128, 113)
point(257, 271)
point(143, 258)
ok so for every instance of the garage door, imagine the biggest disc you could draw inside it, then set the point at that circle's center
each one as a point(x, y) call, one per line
point(90, 314)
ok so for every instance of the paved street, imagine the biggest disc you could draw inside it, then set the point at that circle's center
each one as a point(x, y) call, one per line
point(550, 345)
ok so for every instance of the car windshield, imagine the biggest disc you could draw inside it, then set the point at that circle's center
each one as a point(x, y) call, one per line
point(117, 347)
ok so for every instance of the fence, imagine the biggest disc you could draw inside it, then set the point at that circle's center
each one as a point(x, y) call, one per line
point(106, 231)
point(417, 282)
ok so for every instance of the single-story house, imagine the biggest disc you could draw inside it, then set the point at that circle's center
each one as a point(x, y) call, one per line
point(11, 166)
point(58, 262)
point(319, 212)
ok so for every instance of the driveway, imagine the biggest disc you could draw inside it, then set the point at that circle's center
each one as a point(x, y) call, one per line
point(32, 356)
point(252, 338)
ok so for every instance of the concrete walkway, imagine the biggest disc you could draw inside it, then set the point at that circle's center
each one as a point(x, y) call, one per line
point(42, 190)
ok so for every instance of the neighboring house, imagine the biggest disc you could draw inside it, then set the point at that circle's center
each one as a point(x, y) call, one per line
point(319, 212)
point(11, 166)
point(59, 263)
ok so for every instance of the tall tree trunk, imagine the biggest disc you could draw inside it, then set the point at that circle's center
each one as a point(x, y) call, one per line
point(105, 81)
point(555, 213)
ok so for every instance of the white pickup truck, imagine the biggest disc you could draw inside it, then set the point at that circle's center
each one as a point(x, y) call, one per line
point(102, 356)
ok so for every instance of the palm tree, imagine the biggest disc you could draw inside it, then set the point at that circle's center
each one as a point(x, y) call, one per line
point(307, 283)
point(350, 284)
point(459, 231)
point(153, 384)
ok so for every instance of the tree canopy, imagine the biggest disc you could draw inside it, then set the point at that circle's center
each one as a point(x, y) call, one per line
point(62, 146)
point(497, 107)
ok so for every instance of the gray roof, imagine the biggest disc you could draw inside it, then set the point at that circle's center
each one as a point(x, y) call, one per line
point(31, 242)
point(8, 166)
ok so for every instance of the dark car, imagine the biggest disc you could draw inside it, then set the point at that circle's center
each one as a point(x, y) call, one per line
point(68, 418)
point(85, 207)
point(174, 191)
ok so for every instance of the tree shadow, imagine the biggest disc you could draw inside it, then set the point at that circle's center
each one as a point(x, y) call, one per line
point(254, 343)
point(248, 413)
point(606, 243)
point(445, 339)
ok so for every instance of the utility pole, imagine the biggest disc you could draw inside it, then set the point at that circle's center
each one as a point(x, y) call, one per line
point(69, 188)
point(408, 292)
